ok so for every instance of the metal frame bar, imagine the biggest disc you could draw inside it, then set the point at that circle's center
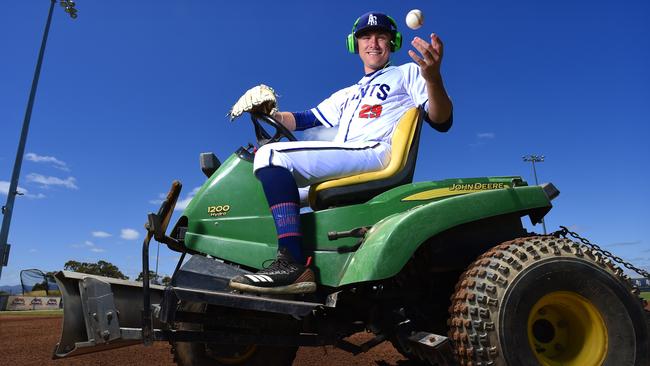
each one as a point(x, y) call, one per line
point(13, 186)
point(248, 302)
point(156, 227)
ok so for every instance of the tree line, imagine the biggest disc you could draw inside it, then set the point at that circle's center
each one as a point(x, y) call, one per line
point(107, 269)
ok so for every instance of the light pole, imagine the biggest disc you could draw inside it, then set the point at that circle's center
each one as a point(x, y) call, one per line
point(536, 159)
point(7, 209)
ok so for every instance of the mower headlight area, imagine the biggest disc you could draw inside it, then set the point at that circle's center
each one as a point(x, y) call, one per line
point(209, 163)
point(550, 190)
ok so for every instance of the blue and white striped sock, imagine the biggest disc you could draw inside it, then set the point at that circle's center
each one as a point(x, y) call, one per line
point(282, 195)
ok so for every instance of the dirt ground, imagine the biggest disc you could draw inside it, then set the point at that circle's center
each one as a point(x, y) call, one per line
point(31, 340)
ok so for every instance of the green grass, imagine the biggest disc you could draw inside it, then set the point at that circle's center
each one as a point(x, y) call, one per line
point(58, 312)
point(646, 295)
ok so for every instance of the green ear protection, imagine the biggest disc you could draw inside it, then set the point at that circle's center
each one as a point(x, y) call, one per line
point(395, 43)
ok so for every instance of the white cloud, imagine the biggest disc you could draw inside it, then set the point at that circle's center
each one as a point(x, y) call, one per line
point(320, 134)
point(159, 200)
point(47, 159)
point(90, 246)
point(4, 189)
point(481, 139)
point(52, 181)
point(129, 234)
point(101, 234)
point(182, 204)
point(33, 250)
point(625, 243)
point(485, 135)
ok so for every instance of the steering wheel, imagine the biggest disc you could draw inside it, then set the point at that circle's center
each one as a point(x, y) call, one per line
point(263, 137)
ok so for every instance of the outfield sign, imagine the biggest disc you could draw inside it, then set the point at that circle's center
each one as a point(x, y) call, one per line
point(642, 283)
point(33, 303)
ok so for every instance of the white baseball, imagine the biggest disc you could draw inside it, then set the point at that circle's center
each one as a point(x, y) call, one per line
point(414, 19)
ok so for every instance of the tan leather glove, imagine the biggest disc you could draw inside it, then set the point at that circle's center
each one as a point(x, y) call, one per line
point(259, 99)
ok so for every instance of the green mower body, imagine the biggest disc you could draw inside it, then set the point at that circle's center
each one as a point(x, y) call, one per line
point(444, 270)
point(229, 219)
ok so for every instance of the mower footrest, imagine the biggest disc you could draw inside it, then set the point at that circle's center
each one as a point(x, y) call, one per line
point(248, 302)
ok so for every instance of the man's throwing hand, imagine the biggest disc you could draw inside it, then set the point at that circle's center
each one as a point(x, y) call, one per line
point(431, 57)
point(259, 99)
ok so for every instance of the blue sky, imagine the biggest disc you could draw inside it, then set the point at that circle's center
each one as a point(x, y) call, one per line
point(132, 92)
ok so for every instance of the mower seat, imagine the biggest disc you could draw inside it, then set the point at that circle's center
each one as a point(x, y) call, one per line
point(362, 187)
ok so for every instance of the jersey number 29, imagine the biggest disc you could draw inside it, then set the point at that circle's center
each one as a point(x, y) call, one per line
point(370, 111)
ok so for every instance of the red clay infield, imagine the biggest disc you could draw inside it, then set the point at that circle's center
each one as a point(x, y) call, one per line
point(30, 341)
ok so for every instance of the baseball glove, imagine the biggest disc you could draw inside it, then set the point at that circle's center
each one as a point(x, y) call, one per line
point(259, 99)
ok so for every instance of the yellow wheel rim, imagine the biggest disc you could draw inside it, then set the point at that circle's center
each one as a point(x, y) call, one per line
point(238, 357)
point(566, 329)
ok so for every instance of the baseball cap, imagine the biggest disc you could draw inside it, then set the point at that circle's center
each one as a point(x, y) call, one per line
point(374, 20)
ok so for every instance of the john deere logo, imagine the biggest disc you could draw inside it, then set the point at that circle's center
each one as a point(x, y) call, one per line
point(454, 190)
point(220, 210)
point(476, 186)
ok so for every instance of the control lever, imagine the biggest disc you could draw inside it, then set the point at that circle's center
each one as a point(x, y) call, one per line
point(359, 232)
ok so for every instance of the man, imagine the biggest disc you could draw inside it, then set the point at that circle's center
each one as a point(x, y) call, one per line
point(366, 115)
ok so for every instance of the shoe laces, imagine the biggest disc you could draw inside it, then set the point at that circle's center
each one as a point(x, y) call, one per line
point(278, 265)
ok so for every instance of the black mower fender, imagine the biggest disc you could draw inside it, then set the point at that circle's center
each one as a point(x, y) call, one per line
point(390, 243)
point(200, 272)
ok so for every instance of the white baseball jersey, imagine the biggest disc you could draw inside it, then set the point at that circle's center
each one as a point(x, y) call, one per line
point(366, 115)
point(370, 109)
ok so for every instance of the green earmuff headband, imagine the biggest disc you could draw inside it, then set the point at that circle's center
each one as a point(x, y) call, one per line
point(395, 43)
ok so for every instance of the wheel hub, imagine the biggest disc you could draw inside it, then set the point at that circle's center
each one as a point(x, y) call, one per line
point(566, 329)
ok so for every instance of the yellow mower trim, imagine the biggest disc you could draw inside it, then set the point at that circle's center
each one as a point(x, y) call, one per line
point(400, 147)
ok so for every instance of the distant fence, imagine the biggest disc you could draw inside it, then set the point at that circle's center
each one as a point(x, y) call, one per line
point(642, 283)
point(15, 303)
point(37, 283)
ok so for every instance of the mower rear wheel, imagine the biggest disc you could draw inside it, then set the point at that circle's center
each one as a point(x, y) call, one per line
point(547, 301)
point(211, 354)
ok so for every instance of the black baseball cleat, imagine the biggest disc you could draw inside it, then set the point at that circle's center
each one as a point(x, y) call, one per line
point(282, 276)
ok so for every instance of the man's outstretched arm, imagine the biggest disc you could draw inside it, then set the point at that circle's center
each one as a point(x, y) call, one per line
point(297, 121)
point(440, 105)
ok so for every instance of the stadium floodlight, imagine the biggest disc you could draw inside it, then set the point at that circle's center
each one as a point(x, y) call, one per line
point(7, 209)
point(69, 7)
point(535, 159)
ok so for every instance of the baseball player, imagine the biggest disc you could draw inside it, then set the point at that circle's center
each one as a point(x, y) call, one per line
point(365, 115)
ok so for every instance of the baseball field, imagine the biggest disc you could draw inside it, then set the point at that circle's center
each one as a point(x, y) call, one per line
point(28, 338)
point(646, 295)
